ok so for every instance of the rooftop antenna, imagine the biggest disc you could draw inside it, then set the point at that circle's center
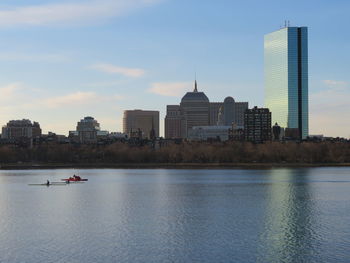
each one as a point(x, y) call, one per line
point(285, 23)
point(195, 82)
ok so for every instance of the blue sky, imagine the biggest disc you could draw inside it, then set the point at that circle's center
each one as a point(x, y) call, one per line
point(63, 60)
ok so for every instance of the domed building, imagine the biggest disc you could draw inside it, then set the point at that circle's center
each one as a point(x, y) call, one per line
point(195, 110)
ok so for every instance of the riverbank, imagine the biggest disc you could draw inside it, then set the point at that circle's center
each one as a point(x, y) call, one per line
point(31, 166)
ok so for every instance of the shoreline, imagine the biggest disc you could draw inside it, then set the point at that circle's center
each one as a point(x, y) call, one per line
point(30, 166)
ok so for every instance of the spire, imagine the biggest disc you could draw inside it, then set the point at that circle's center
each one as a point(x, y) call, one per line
point(195, 83)
point(195, 86)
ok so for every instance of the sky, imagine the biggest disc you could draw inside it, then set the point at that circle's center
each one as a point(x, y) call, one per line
point(63, 60)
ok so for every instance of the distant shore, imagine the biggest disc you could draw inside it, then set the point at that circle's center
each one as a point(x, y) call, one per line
point(30, 166)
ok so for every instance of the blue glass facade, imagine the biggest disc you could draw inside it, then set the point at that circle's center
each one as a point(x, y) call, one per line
point(286, 78)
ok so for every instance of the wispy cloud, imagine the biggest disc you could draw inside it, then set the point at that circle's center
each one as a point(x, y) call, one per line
point(67, 13)
point(335, 83)
point(18, 101)
point(112, 69)
point(13, 97)
point(77, 99)
point(170, 89)
point(9, 91)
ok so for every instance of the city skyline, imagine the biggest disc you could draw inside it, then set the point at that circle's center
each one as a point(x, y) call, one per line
point(58, 67)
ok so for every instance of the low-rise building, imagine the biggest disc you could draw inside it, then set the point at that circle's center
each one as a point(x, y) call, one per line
point(204, 133)
point(21, 129)
point(87, 130)
point(236, 133)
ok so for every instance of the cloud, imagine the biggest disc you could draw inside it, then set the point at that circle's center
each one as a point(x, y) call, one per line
point(335, 83)
point(77, 99)
point(9, 91)
point(112, 69)
point(57, 113)
point(67, 13)
point(170, 89)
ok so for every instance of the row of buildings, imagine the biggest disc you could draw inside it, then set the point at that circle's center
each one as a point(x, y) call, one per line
point(87, 131)
point(286, 99)
point(144, 125)
point(196, 118)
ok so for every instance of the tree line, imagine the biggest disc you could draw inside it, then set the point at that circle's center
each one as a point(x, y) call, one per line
point(186, 152)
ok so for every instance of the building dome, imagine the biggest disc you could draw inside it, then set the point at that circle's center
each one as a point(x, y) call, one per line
point(229, 100)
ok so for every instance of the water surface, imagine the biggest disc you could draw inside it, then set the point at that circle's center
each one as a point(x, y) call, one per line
point(280, 215)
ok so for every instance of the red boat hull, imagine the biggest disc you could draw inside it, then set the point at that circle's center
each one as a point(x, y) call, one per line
point(75, 180)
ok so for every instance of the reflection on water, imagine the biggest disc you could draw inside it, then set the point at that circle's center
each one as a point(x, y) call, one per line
point(290, 226)
point(281, 215)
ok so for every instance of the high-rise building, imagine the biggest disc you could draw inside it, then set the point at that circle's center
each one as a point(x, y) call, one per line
point(196, 110)
point(286, 78)
point(19, 129)
point(257, 125)
point(146, 122)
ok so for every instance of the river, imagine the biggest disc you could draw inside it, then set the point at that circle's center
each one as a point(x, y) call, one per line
point(158, 215)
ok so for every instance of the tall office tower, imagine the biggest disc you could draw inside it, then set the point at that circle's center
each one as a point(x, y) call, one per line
point(173, 122)
point(145, 121)
point(194, 110)
point(257, 125)
point(286, 78)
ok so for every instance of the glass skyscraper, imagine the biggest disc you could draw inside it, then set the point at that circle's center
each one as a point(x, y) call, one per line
point(286, 78)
